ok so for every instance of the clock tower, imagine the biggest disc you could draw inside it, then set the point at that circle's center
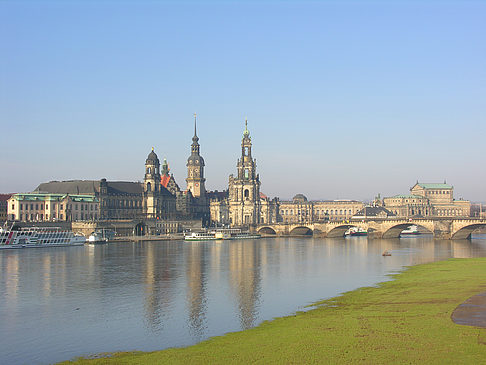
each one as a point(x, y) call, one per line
point(195, 169)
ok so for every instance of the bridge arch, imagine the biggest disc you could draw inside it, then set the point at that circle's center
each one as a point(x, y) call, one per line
point(301, 231)
point(465, 232)
point(267, 231)
point(339, 231)
point(394, 231)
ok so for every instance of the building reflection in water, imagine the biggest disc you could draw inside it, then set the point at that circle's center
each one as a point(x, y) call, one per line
point(245, 279)
point(196, 276)
point(159, 284)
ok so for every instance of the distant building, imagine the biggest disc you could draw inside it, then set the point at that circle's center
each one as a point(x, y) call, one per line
point(428, 200)
point(47, 207)
point(299, 209)
point(3, 207)
point(373, 212)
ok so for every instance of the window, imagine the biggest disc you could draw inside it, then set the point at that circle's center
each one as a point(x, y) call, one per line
point(247, 174)
point(60, 207)
point(60, 216)
point(13, 206)
point(21, 207)
point(247, 193)
point(32, 207)
point(37, 207)
point(47, 207)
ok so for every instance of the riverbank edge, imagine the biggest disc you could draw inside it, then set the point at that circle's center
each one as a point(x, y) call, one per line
point(405, 320)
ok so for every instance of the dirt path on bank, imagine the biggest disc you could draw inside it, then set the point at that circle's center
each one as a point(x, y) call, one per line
point(472, 312)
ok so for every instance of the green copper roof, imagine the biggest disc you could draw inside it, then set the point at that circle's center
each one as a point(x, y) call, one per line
point(246, 133)
point(434, 186)
point(409, 196)
point(55, 197)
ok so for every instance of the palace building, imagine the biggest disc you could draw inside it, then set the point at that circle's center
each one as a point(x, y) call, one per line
point(158, 197)
point(300, 210)
point(428, 200)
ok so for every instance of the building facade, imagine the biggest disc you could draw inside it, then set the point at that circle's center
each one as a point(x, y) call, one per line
point(300, 210)
point(243, 204)
point(428, 200)
point(3, 207)
point(46, 207)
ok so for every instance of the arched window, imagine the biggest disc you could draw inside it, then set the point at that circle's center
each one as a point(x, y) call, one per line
point(149, 186)
point(247, 193)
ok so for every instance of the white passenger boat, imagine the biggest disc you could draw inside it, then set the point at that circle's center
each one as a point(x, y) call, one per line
point(410, 231)
point(221, 234)
point(35, 237)
point(200, 236)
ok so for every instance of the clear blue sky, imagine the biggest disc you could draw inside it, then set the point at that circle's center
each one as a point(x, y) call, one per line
point(344, 99)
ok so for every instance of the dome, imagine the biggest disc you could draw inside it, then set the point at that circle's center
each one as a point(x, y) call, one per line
point(195, 160)
point(299, 198)
point(152, 158)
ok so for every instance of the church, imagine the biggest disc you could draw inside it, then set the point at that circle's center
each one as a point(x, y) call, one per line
point(243, 204)
point(157, 198)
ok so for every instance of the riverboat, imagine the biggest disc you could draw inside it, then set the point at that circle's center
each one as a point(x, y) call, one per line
point(410, 231)
point(36, 237)
point(100, 237)
point(355, 231)
point(220, 234)
point(200, 236)
point(96, 239)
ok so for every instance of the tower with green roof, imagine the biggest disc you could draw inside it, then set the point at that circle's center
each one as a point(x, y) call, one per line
point(244, 188)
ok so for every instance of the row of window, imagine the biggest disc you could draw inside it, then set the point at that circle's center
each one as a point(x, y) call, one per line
point(435, 192)
point(122, 203)
point(317, 212)
point(61, 206)
point(40, 217)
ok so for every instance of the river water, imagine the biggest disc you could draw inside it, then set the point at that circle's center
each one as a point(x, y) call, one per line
point(60, 303)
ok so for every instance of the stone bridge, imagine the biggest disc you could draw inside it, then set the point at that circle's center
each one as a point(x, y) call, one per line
point(452, 228)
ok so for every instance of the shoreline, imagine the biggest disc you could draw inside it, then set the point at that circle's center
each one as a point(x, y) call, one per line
point(404, 320)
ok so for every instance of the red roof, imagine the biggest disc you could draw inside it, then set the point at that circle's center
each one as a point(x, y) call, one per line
point(164, 180)
point(263, 196)
point(5, 197)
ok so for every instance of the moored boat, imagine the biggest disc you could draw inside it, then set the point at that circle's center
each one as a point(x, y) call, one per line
point(36, 237)
point(220, 234)
point(200, 236)
point(410, 231)
point(356, 231)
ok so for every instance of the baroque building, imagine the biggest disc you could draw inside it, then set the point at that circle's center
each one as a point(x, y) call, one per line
point(300, 210)
point(243, 204)
point(428, 200)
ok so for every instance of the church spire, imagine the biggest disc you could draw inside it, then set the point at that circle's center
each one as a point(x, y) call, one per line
point(246, 133)
point(195, 133)
point(195, 139)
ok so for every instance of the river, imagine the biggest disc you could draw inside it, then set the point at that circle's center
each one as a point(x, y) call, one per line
point(60, 303)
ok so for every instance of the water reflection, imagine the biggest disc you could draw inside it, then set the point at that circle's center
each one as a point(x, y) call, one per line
point(65, 302)
point(245, 277)
point(196, 288)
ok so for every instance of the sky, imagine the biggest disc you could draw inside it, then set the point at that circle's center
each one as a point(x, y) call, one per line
point(344, 99)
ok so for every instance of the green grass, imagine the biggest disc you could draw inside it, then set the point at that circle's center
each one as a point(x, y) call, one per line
point(404, 321)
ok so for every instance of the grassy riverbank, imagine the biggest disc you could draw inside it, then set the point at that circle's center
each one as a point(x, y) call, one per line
point(406, 320)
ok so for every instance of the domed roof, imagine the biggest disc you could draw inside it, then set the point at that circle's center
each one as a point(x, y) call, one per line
point(195, 160)
point(152, 157)
point(299, 198)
